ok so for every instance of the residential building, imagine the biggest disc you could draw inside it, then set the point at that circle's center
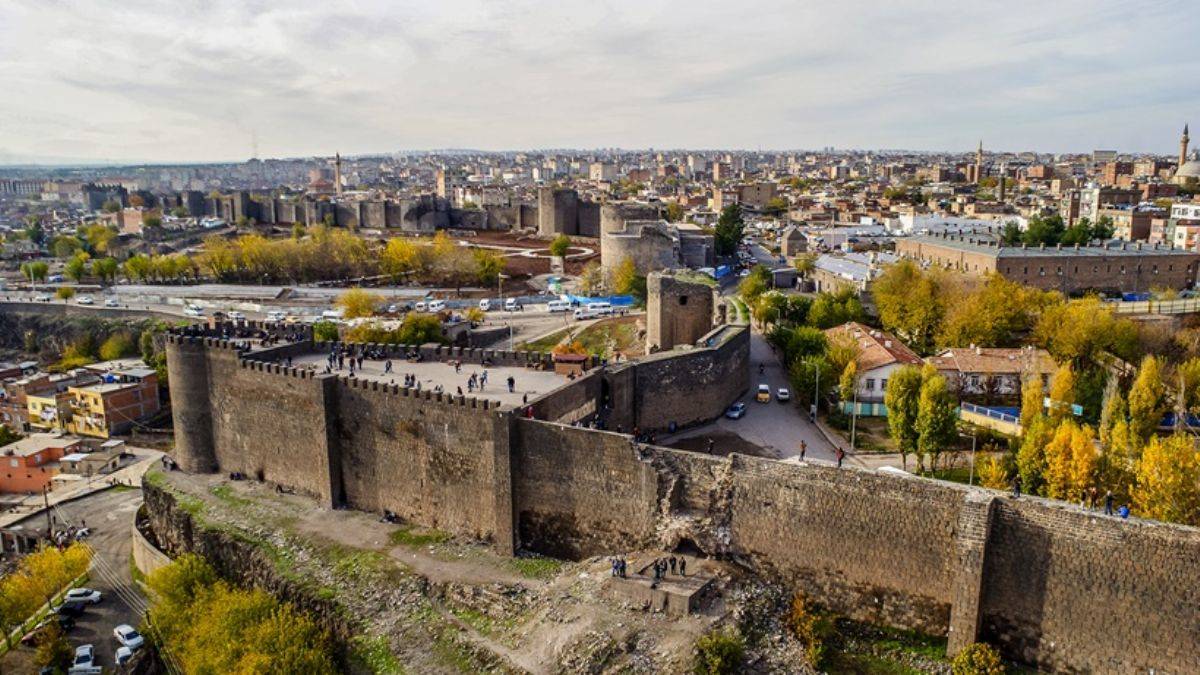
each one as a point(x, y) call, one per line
point(992, 373)
point(32, 462)
point(879, 355)
point(114, 404)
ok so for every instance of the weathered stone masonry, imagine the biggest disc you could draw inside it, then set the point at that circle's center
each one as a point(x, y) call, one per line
point(1051, 584)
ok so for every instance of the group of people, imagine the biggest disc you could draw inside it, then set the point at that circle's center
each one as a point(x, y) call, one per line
point(660, 568)
point(1088, 499)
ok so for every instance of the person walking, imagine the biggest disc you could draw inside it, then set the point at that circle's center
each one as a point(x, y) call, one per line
point(1016, 486)
point(803, 449)
point(1108, 503)
point(671, 560)
point(682, 566)
point(512, 383)
point(841, 454)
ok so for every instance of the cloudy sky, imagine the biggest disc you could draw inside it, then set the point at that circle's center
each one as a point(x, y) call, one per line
point(184, 80)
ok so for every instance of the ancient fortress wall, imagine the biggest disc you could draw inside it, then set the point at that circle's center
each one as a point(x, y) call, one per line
point(1049, 583)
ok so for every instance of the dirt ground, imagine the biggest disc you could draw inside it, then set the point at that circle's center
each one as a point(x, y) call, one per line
point(723, 443)
point(450, 605)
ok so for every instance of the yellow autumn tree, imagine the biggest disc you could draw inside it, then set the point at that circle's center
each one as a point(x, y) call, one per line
point(39, 578)
point(1062, 392)
point(1031, 400)
point(1168, 480)
point(1071, 460)
point(403, 256)
point(992, 473)
point(357, 303)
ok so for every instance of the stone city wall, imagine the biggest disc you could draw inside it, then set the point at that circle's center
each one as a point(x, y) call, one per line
point(1049, 583)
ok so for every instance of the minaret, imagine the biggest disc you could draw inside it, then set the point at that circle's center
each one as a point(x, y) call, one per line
point(1183, 146)
point(1003, 169)
point(979, 163)
point(337, 173)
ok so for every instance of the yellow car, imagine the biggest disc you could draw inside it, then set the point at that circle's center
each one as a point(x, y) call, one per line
point(764, 394)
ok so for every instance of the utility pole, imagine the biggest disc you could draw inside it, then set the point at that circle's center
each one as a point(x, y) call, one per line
point(854, 417)
point(49, 515)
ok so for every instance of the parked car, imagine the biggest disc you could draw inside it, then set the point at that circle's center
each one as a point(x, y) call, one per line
point(83, 595)
point(276, 316)
point(783, 395)
point(764, 394)
point(511, 305)
point(85, 657)
point(128, 636)
point(193, 310)
point(235, 316)
point(41, 297)
point(112, 301)
point(70, 608)
point(124, 654)
point(85, 300)
point(558, 306)
point(422, 306)
point(437, 305)
point(736, 411)
point(485, 305)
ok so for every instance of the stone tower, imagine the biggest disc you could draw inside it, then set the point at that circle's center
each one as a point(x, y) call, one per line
point(678, 311)
point(1183, 147)
point(337, 173)
point(979, 163)
point(1000, 190)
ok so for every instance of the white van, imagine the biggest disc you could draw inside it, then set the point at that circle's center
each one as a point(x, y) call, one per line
point(334, 315)
point(485, 305)
point(276, 316)
point(193, 310)
point(437, 305)
point(511, 305)
point(593, 310)
point(558, 306)
point(421, 306)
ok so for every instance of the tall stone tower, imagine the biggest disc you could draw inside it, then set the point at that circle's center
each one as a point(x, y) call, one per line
point(337, 173)
point(1183, 147)
point(979, 163)
point(1000, 190)
point(678, 311)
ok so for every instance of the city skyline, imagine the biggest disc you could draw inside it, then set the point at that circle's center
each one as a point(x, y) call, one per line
point(222, 82)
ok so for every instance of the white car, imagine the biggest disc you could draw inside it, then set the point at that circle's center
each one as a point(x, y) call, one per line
point(783, 395)
point(123, 655)
point(112, 302)
point(276, 316)
point(437, 305)
point(83, 595)
point(511, 305)
point(85, 300)
point(85, 657)
point(128, 636)
point(235, 316)
point(193, 310)
point(485, 305)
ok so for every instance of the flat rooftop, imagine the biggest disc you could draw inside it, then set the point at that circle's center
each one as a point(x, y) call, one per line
point(527, 382)
point(984, 244)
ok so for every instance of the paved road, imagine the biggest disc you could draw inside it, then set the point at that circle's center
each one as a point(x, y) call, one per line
point(110, 516)
point(776, 426)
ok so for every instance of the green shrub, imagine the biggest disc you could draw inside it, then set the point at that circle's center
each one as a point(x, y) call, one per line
point(325, 331)
point(978, 659)
point(719, 653)
point(559, 246)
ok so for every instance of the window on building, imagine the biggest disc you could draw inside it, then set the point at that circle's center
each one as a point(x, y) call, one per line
point(870, 384)
point(974, 380)
point(883, 384)
point(683, 299)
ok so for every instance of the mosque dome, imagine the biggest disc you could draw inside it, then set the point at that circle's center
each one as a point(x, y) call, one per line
point(1190, 169)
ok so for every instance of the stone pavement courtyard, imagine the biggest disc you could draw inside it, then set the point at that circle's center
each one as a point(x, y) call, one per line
point(528, 383)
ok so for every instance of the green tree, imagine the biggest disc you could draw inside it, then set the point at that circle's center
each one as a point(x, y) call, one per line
point(77, 267)
point(674, 212)
point(489, 265)
point(627, 281)
point(729, 231)
point(111, 206)
point(848, 382)
point(776, 206)
point(560, 245)
point(937, 419)
point(64, 246)
point(910, 304)
point(719, 653)
point(812, 378)
point(105, 269)
point(117, 346)
point(53, 649)
point(903, 400)
point(325, 331)
point(65, 292)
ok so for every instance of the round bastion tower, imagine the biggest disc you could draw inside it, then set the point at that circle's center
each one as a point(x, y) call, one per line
point(187, 361)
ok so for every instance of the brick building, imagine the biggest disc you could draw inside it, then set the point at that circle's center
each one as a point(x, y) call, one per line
point(32, 462)
point(1112, 267)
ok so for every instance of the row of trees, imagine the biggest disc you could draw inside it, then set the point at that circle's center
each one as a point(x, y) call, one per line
point(922, 413)
point(40, 576)
point(210, 626)
point(1050, 231)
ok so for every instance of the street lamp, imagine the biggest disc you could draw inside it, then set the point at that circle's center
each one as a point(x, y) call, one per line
point(971, 475)
point(500, 277)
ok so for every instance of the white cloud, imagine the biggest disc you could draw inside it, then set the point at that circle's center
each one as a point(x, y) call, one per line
point(192, 80)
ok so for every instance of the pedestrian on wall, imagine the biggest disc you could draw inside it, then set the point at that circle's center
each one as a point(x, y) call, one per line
point(841, 454)
point(803, 449)
point(1016, 486)
point(682, 566)
point(1108, 503)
